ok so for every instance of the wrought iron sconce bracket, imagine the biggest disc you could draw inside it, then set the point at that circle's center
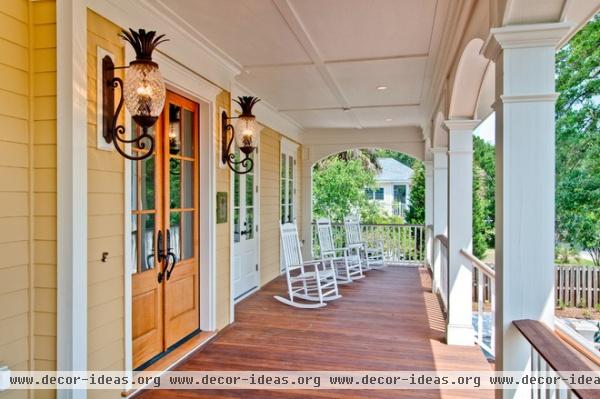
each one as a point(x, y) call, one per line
point(113, 132)
point(229, 157)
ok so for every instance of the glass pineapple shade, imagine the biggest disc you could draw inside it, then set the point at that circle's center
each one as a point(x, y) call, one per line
point(246, 129)
point(144, 90)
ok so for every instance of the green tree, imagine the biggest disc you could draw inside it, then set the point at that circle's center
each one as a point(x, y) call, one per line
point(416, 209)
point(339, 188)
point(578, 141)
point(484, 166)
point(480, 245)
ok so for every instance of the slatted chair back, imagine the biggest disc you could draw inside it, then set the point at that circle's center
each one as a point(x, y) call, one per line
point(325, 234)
point(352, 227)
point(292, 255)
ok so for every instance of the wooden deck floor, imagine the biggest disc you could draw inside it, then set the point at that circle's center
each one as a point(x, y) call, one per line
point(387, 321)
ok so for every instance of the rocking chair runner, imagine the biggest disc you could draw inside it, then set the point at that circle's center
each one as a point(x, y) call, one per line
point(347, 262)
point(373, 252)
point(312, 280)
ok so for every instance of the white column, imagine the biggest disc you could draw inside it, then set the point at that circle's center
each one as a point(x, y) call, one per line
point(524, 56)
point(72, 233)
point(440, 207)
point(428, 211)
point(459, 330)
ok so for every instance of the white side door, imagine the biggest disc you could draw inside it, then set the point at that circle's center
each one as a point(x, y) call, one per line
point(287, 185)
point(245, 232)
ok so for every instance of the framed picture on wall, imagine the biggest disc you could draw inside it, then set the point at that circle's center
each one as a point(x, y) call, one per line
point(221, 207)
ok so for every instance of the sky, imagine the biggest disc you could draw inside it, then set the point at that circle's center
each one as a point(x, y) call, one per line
point(486, 130)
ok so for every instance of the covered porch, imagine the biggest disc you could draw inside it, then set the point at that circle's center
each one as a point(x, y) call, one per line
point(388, 321)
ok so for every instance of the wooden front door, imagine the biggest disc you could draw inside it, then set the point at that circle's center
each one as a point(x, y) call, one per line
point(164, 219)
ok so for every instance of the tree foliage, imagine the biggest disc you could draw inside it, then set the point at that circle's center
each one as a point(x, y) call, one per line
point(484, 169)
point(416, 209)
point(578, 141)
point(480, 244)
point(339, 188)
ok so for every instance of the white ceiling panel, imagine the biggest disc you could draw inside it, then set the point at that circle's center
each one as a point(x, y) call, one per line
point(388, 116)
point(403, 78)
point(323, 118)
point(289, 87)
point(252, 32)
point(355, 29)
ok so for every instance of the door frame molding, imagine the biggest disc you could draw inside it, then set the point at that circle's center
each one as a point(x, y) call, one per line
point(183, 81)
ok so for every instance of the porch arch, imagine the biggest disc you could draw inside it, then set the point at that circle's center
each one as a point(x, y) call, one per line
point(468, 81)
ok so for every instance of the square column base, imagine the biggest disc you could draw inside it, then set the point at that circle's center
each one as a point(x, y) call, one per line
point(460, 335)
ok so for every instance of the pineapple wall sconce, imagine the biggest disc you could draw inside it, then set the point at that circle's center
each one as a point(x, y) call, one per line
point(244, 133)
point(142, 91)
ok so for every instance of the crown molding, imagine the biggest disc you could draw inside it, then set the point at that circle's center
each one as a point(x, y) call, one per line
point(460, 125)
point(524, 36)
point(186, 45)
point(269, 116)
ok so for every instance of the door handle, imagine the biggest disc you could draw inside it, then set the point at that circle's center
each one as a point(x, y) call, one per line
point(170, 256)
point(243, 232)
point(160, 253)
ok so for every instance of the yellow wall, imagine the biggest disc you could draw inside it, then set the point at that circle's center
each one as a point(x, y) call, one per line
point(105, 221)
point(28, 186)
point(270, 202)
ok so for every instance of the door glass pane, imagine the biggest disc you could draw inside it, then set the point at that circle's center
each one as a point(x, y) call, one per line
point(236, 225)
point(236, 190)
point(249, 223)
point(175, 231)
point(188, 235)
point(290, 194)
point(134, 185)
point(147, 242)
point(174, 129)
point(291, 167)
point(147, 182)
point(188, 184)
point(283, 217)
point(188, 131)
point(283, 167)
point(134, 243)
point(175, 182)
point(249, 189)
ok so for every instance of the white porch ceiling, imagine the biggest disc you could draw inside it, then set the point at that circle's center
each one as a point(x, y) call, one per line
point(319, 62)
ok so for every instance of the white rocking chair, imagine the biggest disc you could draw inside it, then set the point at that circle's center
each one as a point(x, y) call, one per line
point(317, 285)
point(373, 252)
point(347, 262)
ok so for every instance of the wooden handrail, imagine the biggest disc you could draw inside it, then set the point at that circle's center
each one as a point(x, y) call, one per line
point(587, 350)
point(555, 352)
point(491, 273)
point(443, 239)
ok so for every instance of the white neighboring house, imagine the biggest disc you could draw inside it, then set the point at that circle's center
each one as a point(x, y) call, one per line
point(392, 186)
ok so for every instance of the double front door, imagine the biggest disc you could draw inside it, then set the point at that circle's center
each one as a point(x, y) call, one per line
point(164, 234)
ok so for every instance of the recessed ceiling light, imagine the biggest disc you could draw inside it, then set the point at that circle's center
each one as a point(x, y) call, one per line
point(388, 119)
point(382, 88)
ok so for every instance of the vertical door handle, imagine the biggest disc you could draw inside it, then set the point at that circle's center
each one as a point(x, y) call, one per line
point(170, 256)
point(160, 254)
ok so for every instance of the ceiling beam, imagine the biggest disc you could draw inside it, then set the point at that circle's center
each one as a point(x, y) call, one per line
point(295, 24)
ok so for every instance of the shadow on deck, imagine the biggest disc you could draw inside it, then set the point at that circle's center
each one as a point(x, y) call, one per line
point(389, 320)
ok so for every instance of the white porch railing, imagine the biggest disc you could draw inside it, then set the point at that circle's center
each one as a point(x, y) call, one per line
point(485, 277)
point(402, 243)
